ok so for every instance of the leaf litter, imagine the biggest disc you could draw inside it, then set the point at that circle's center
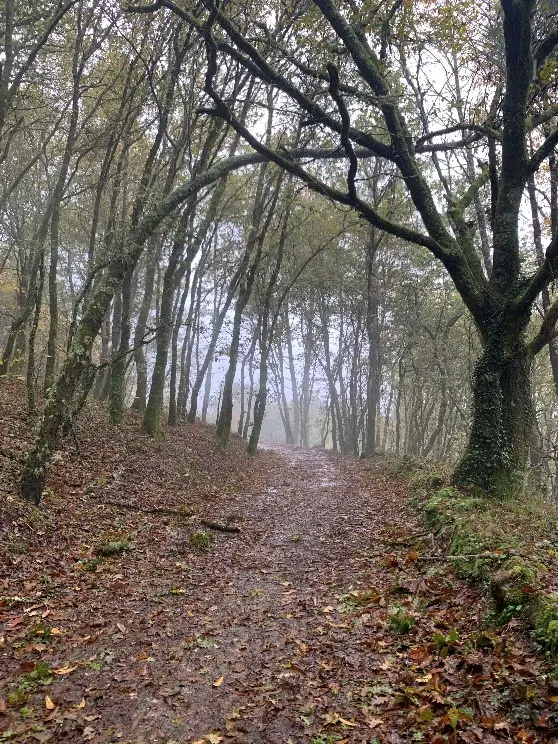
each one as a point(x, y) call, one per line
point(302, 628)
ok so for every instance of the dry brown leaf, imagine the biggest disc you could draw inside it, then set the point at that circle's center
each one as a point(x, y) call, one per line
point(49, 705)
point(65, 670)
point(345, 722)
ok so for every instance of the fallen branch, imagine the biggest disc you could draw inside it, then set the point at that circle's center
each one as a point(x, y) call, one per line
point(161, 510)
point(466, 556)
point(219, 527)
point(408, 540)
point(174, 513)
point(463, 557)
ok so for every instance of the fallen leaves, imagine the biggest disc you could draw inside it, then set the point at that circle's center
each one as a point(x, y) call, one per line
point(298, 629)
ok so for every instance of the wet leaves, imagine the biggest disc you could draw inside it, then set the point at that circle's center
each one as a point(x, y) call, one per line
point(263, 638)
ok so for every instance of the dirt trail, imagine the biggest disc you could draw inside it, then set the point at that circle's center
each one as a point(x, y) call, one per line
point(293, 631)
point(280, 643)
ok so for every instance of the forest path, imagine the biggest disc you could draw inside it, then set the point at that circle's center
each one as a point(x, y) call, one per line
point(294, 631)
point(268, 617)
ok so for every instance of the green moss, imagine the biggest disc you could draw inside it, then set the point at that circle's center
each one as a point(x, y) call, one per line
point(112, 547)
point(201, 541)
point(92, 564)
point(543, 616)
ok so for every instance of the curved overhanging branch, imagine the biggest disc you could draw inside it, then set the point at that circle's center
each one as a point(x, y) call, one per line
point(545, 48)
point(544, 274)
point(542, 153)
point(285, 160)
point(455, 262)
point(547, 330)
point(247, 55)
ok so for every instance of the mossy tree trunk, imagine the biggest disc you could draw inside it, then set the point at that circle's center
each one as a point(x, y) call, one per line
point(140, 397)
point(498, 449)
point(117, 391)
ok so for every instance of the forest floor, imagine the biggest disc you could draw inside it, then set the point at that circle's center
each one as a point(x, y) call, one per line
point(330, 617)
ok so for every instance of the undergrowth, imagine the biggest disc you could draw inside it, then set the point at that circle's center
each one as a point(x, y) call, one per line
point(509, 546)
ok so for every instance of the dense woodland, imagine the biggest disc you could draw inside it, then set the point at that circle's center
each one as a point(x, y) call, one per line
point(346, 211)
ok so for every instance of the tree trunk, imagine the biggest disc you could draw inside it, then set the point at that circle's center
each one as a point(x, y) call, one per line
point(104, 357)
point(294, 385)
point(497, 453)
point(224, 419)
point(117, 394)
point(152, 414)
point(290, 437)
point(173, 386)
point(373, 335)
point(140, 398)
point(38, 292)
point(211, 349)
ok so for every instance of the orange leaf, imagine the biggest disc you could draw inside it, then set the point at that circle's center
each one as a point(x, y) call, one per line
point(345, 722)
point(218, 682)
point(65, 670)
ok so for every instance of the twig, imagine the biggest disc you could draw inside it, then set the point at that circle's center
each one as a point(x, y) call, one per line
point(219, 527)
point(408, 540)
